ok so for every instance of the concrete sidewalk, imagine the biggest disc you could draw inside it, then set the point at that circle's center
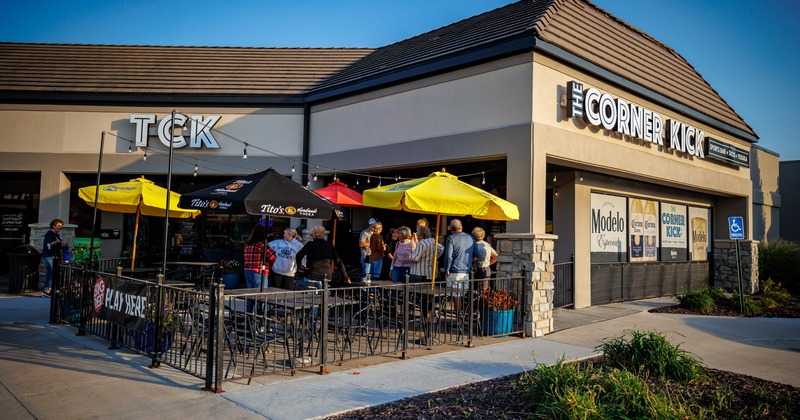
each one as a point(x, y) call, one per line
point(48, 372)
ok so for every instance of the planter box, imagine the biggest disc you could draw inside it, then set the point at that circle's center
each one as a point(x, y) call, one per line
point(497, 322)
point(145, 341)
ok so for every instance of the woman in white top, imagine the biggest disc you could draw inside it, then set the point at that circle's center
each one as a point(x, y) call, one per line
point(482, 266)
point(401, 264)
point(282, 272)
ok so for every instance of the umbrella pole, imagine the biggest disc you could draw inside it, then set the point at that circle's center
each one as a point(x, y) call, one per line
point(435, 248)
point(334, 244)
point(136, 234)
point(263, 265)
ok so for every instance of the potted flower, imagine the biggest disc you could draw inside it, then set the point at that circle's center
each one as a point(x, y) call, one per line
point(230, 272)
point(497, 310)
point(170, 321)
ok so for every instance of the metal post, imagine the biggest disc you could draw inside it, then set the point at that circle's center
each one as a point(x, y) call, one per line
point(324, 327)
point(405, 317)
point(169, 193)
point(158, 324)
point(91, 264)
point(739, 275)
point(85, 295)
point(470, 315)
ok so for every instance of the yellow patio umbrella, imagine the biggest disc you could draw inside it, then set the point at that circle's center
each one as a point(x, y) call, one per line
point(440, 193)
point(140, 196)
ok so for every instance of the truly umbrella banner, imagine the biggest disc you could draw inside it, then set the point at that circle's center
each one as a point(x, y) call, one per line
point(120, 302)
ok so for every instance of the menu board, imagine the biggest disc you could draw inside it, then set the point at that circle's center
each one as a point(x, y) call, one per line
point(186, 238)
point(674, 233)
point(609, 228)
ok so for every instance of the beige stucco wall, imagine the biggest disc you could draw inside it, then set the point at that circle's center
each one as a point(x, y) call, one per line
point(60, 140)
point(479, 113)
point(620, 166)
point(764, 173)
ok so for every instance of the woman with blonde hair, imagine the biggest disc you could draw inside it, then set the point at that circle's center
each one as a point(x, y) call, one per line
point(401, 264)
point(320, 255)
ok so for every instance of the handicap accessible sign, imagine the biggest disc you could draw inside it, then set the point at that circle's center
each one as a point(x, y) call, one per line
point(736, 227)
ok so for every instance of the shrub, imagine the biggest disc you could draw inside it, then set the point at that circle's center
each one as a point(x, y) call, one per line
point(80, 254)
point(651, 353)
point(588, 391)
point(699, 301)
point(780, 261)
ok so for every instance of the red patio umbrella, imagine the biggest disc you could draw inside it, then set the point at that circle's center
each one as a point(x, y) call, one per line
point(338, 193)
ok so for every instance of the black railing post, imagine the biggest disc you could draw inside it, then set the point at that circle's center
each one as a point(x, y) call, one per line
point(85, 296)
point(55, 291)
point(471, 314)
point(158, 321)
point(527, 285)
point(324, 327)
point(405, 317)
point(214, 337)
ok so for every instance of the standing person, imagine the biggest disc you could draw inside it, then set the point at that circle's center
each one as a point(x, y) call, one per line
point(285, 266)
point(363, 243)
point(320, 256)
point(459, 253)
point(420, 222)
point(401, 263)
point(377, 250)
point(52, 246)
point(422, 258)
point(490, 256)
point(391, 244)
point(258, 257)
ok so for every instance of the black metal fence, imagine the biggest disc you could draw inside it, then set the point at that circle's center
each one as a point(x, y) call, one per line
point(221, 335)
point(564, 287)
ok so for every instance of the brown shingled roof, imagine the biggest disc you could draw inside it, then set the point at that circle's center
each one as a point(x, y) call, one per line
point(576, 26)
point(168, 70)
point(583, 29)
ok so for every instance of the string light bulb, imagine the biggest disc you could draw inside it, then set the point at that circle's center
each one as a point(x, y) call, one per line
point(581, 178)
point(483, 178)
point(244, 153)
point(145, 156)
point(379, 182)
point(555, 192)
point(130, 147)
point(195, 167)
point(555, 178)
point(292, 168)
point(356, 180)
point(315, 177)
point(368, 179)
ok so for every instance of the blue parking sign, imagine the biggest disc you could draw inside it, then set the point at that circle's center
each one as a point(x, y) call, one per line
point(736, 227)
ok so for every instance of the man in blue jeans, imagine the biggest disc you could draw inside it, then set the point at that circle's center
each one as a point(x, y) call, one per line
point(52, 246)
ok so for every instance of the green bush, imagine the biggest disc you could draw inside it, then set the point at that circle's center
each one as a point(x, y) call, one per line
point(80, 255)
point(699, 301)
point(585, 391)
point(652, 354)
point(780, 261)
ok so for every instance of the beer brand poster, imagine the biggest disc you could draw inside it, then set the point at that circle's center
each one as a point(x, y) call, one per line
point(609, 228)
point(636, 229)
point(650, 239)
point(698, 233)
point(674, 232)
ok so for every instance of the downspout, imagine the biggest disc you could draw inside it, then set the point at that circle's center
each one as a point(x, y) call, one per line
point(306, 140)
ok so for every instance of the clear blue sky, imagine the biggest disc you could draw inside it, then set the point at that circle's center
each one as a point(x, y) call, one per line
point(747, 50)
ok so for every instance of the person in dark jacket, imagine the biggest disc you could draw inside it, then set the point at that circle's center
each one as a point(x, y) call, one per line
point(318, 257)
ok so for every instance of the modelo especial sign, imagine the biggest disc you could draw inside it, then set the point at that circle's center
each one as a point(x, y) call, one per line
point(616, 114)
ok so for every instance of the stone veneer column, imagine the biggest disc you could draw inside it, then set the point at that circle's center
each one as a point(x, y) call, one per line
point(725, 275)
point(534, 253)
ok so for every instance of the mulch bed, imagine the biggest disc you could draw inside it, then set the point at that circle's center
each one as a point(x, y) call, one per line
point(749, 397)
